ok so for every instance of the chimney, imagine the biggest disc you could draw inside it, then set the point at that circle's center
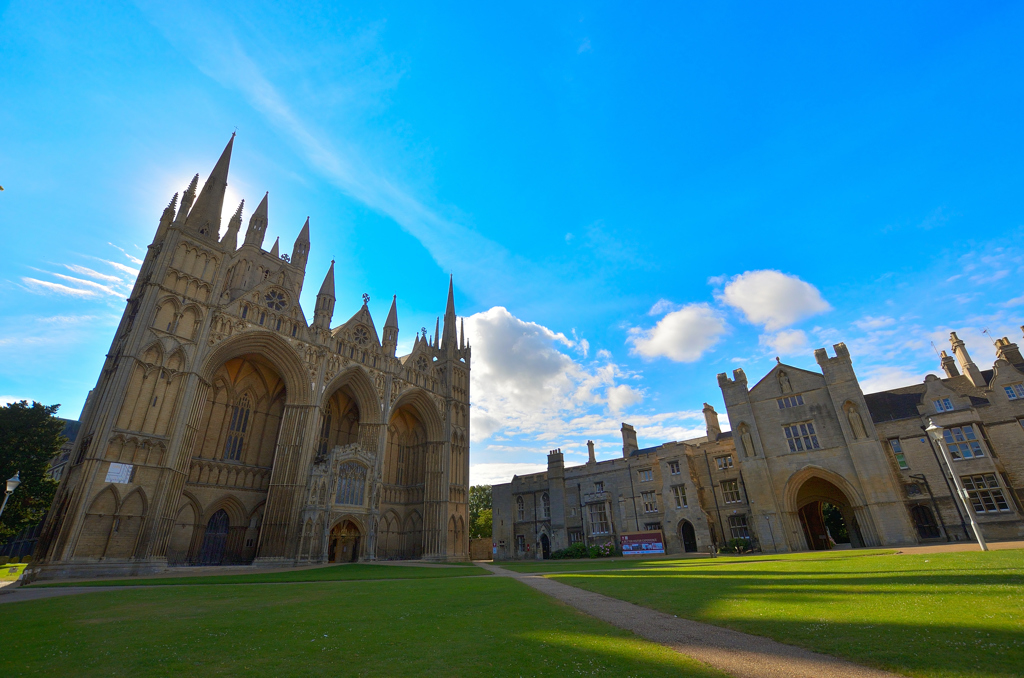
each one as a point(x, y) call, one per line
point(711, 418)
point(949, 365)
point(967, 365)
point(590, 449)
point(1008, 351)
point(556, 464)
point(628, 440)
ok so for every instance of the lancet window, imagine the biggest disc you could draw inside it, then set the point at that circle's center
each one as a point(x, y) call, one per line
point(237, 428)
point(351, 484)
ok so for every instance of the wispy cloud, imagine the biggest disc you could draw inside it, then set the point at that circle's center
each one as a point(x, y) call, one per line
point(209, 41)
point(132, 258)
point(84, 270)
point(45, 287)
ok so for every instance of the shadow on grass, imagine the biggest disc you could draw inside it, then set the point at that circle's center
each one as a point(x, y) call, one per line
point(941, 619)
point(447, 627)
point(356, 571)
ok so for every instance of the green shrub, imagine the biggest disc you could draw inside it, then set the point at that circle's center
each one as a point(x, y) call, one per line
point(577, 550)
point(738, 545)
point(4, 560)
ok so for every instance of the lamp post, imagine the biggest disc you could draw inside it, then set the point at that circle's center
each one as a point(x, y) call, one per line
point(936, 433)
point(12, 485)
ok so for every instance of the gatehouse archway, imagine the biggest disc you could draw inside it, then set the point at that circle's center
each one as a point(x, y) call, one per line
point(826, 515)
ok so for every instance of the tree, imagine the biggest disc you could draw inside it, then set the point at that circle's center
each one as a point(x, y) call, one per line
point(479, 501)
point(29, 437)
point(482, 526)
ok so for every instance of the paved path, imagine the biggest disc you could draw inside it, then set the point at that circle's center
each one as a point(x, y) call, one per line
point(22, 594)
point(738, 654)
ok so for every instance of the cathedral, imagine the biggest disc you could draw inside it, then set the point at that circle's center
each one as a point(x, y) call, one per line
point(225, 428)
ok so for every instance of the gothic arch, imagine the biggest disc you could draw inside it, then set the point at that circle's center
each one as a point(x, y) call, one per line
point(232, 506)
point(270, 347)
point(131, 513)
point(359, 383)
point(421, 402)
point(797, 480)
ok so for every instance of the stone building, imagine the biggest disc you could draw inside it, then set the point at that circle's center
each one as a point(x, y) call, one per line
point(227, 428)
point(807, 450)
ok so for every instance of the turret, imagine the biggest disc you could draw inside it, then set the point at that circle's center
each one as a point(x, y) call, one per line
point(629, 444)
point(967, 365)
point(275, 251)
point(325, 301)
point(204, 219)
point(166, 219)
point(230, 240)
point(948, 364)
point(711, 419)
point(390, 342)
point(258, 224)
point(1008, 351)
point(300, 250)
point(187, 198)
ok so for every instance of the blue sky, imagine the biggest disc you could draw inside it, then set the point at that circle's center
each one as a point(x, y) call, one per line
point(631, 199)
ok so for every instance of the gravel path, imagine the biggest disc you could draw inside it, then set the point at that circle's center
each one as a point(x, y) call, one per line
point(738, 654)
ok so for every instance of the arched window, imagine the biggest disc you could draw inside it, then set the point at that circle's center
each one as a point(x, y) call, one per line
point(325, 435)
point(351, 484)
point(520, 509)
point(236, 429)
point(545, 503)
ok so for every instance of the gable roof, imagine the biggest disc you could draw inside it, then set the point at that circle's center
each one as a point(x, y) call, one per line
point(901, 403)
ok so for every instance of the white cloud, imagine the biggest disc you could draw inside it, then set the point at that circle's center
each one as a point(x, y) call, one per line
point(620, 397)
point(682, 336)
point(523, 381)
point(663, 306)
point(873, 323)
point(773, 299)
point(604, 354)
point(883, 378)
point(1016, 301)
point(786, 342)
point(83, 270)
point(132, 258)
point(497, 473)
point(7, 400)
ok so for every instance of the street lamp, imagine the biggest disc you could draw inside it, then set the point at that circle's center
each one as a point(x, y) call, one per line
point(12, 485)
point(936, 433)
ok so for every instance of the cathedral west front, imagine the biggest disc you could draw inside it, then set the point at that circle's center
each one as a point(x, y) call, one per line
point(228, 428)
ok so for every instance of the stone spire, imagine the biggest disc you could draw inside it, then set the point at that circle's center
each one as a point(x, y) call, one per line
point(205, 215)
point(325, 301)
point(167, 218)
point(449, 340)
point(300, 250)
point(275, 251)
point(390, 342)
point(230, 239)
point(437, 334)
point(187, 198)
point(258, 224)
point(462, 334)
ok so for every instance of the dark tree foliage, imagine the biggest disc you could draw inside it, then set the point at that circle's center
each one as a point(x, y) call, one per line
point(29, 437)
point(479, 501)
point(835, 523)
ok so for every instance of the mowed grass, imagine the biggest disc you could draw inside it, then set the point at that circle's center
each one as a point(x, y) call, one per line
point(936, 615)
point(475, 626)
point(623, 563)
point(329, 573)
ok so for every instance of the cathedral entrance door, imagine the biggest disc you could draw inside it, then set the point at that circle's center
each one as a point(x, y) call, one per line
point(545, 546)
point(215, 540)
point(344, 543)
point(689, 538)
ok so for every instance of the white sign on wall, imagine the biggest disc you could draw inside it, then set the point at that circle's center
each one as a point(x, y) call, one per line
point(120, 473)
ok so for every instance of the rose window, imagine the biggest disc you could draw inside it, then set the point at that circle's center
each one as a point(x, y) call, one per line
point(421, 364)
point(275, 300)
point(361, 336)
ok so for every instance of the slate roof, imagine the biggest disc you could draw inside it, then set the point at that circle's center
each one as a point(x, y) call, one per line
point(901, 403)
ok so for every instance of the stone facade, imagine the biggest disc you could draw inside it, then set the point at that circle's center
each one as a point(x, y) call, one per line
point(225, 428)
point(803, 445)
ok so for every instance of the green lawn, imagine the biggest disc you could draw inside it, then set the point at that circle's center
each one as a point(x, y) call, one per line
point(330, 573)
point(950, 614)
point(474, 626)
point(633, 563)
